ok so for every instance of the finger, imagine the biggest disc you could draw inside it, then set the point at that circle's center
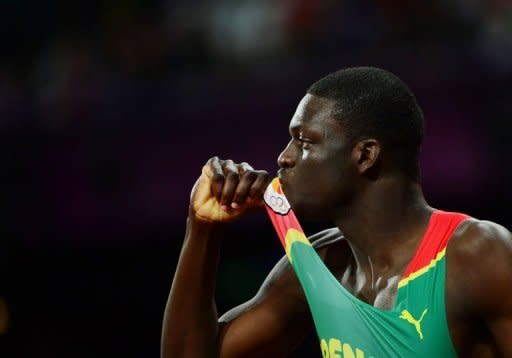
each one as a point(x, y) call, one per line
point(242, 191)
point(244, 167)
point(259, 185)
point(231, 179)
point(216, 176)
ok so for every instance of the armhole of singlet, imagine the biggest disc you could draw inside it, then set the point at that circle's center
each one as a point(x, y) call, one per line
point(326, 237)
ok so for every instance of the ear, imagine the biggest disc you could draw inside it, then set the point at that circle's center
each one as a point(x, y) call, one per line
point(366, 155)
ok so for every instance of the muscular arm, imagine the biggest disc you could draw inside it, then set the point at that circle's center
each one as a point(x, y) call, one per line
point(480, 260)
point(223, 192)
point(272, 324)
point(190, 318)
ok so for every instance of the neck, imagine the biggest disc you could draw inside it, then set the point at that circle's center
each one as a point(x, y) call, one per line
point(385, 226)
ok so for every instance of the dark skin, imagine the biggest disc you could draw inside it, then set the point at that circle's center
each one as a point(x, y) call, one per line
point(383, 215)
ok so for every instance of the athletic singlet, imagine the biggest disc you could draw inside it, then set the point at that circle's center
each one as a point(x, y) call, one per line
point(416, 326)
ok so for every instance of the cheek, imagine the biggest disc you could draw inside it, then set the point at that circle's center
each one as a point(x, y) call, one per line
point(321, 182)
point(331, 181)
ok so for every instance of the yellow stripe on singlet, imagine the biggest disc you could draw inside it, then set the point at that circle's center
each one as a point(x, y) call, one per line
point(422, 270)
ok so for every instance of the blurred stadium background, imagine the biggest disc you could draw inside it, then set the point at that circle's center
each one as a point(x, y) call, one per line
point(110, 108)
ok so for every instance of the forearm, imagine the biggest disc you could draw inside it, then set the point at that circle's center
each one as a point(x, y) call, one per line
point(190, 321)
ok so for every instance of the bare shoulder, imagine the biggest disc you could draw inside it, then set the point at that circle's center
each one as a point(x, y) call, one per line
point(478, 242)
point(479, 263)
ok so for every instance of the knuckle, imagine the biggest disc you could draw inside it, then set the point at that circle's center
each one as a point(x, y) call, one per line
point(246, 166)
point(250, 174)
point(264, 175)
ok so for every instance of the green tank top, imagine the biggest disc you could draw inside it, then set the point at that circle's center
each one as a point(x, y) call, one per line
point(347, 327)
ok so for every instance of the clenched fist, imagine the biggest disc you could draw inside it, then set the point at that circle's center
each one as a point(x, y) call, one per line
point(226, 190)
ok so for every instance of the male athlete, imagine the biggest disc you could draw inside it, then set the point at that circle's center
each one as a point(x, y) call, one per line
point(397, 278)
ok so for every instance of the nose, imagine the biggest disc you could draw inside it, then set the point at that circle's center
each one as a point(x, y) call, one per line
point(285, 159)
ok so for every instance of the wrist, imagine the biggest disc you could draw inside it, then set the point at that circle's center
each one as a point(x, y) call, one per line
point(198, 225)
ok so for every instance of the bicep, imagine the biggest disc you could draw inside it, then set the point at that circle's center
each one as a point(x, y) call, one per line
point(483, 263)
point(500, 327)
point(498, 305)
point(272, 324)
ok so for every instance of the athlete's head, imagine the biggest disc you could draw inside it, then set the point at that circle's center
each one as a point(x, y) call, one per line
point(353, 127)
point(374, 103)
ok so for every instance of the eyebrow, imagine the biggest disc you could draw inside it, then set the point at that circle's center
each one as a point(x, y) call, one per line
point(297, 128)
point(300, 123)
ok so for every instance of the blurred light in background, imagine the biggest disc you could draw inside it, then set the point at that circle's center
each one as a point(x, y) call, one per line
point(108, 110)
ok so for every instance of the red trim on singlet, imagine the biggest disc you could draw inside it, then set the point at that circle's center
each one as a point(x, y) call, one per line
point(440, 229)
point(282, 223)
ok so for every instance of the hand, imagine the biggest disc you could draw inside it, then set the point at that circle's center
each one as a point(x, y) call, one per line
point(225, 191)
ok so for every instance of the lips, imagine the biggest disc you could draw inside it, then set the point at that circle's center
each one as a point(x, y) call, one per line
point(281, 176)
point(282, 180)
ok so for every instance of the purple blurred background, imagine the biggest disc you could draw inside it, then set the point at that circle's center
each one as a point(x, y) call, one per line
point(110, 108)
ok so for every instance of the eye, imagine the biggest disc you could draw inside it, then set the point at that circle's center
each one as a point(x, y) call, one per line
point(305, 142)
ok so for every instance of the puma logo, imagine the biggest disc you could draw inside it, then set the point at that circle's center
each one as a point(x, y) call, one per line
point(416, 323)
